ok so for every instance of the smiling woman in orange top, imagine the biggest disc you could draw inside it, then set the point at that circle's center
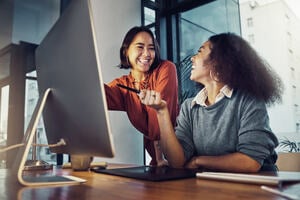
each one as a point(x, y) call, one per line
point(140, 53)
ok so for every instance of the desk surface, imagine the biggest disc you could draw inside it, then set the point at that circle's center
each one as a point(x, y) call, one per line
point(101, 186)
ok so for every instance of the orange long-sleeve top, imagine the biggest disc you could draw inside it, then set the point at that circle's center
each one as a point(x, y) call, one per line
point(162, 79)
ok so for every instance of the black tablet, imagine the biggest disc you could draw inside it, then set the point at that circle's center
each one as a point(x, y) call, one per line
point(150, 173)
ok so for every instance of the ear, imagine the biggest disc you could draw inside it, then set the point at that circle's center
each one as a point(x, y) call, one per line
point(214, 75)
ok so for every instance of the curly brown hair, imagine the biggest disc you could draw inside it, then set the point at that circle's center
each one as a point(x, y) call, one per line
point(238, 65)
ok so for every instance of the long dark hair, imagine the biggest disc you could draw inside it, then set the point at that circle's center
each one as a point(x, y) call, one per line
point(237, 64)
point(128, 40)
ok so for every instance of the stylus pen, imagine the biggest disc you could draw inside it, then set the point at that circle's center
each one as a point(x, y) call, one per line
point(129, 88)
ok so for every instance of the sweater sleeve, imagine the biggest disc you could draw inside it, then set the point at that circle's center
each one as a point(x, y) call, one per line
point(183, 129)
point(255, 137)
point(115, 99)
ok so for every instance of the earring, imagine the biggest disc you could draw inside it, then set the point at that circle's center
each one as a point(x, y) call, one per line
point(214, 76)
point(210, 74)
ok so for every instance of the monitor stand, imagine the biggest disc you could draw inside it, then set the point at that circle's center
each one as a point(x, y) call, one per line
point(21, 158)
point(34, 163)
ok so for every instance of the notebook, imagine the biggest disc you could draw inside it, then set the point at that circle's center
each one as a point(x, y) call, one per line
point(290, 191)
point(150, 173)
point(268, 179)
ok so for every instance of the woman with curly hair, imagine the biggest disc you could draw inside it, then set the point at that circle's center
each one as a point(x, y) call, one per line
point(225, 127)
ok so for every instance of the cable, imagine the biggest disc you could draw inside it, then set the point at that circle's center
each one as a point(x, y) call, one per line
point(60, 143)
point(11, 147)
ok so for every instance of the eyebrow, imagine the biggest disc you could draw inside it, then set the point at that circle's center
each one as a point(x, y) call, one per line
point(140, 43)
point(202, 47)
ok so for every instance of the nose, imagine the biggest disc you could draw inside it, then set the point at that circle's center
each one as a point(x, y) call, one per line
point(192, 58)
point(146, 52)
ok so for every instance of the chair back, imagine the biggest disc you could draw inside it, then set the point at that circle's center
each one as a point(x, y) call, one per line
point(288, 161)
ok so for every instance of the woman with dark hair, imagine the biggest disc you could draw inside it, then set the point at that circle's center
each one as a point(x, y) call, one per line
point(225, 127)
point(140, 53)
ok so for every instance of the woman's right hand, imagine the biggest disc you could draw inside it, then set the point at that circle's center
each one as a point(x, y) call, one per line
point(153, 99)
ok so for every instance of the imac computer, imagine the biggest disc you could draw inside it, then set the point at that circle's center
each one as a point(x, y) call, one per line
point(72, 97)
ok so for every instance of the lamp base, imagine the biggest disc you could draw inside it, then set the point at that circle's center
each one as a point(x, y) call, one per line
point(37, 165)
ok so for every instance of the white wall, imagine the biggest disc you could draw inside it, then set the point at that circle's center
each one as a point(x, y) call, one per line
point(113, 19)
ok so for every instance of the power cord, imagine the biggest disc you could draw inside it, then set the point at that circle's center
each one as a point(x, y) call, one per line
point(11, 147)
point(61, 142)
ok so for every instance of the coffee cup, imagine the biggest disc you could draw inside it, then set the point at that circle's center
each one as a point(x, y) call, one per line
point(81, 162)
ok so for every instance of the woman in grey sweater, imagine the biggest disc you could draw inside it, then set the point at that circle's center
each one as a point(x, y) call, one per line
point(226, 126)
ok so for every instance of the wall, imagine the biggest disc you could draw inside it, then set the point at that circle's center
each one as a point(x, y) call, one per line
point(6, 17)
point(112, 20)
point(32, 19)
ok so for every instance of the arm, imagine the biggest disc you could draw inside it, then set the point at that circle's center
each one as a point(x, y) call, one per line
point(241, 161)
point(233, 162)
point(255, 141)
point(163, 80)
point(167, 86)
point(168, 140)
point(114, 97)
point(236, 162)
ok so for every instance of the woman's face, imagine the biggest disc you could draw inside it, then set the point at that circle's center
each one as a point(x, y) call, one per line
point(200, 70)
point(141, 52)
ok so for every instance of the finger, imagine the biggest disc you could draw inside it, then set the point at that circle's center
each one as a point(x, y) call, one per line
point(142, 94)
point(152, 98)
point(157, 96)
point(145, 96)
point(153, 94)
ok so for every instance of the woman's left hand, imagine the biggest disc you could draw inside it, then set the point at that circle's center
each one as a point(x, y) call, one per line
point(192, 164)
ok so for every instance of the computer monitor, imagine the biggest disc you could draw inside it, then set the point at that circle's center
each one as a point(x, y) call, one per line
point(72, 96)
point(67, 61)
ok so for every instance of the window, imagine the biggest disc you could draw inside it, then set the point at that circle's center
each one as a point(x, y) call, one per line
point(289, 38)
point(31, 99)
point(287, 17)
point(4, 97)
point(149, 16)
point(250, 22)
point(182, 26)
point(5, 58)
point(296, 109)
point(251, 39)
point(292, 70)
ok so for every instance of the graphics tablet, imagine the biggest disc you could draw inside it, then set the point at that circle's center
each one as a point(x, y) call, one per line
point(150, 173)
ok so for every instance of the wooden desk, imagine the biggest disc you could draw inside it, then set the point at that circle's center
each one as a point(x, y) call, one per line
point(101, 186)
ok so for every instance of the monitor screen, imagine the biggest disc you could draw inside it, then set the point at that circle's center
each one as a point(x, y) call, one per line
point(67, 62)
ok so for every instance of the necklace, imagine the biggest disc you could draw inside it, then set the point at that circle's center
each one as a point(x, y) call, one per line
point(143, 84)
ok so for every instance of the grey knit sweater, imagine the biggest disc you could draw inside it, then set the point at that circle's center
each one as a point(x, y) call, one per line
point(236, 124)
